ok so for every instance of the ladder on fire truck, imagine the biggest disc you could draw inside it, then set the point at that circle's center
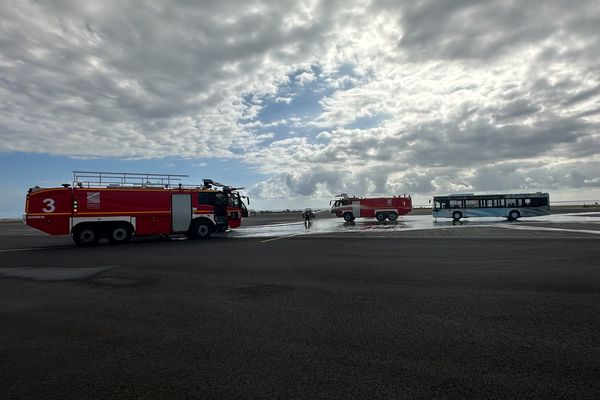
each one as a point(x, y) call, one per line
point(125, 179)
point(91, 179)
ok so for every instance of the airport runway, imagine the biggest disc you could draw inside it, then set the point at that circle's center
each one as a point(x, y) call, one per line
point(486, 309)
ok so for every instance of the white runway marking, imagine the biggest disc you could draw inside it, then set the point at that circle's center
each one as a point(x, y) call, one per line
point(281, 237)
point(35, 248)
point(546, 228)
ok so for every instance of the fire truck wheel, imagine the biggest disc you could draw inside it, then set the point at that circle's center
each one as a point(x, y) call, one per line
point(380, 216)
point(348, 217)
point(119, 234)
point(202, 230)
point(392, 216)
point(85, 236)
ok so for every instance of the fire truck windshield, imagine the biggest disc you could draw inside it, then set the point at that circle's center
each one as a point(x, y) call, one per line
point(234, 201)
point(341, 202)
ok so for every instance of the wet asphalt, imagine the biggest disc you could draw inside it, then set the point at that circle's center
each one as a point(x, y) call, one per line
point(481, 312)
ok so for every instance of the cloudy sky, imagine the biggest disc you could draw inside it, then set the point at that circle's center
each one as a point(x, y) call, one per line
point(300, 100)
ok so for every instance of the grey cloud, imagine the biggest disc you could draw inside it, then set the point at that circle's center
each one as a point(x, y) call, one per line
point(583, 95)
point(504, 81)
point(481, 30)
point(413, 182)
point(480, 141)
point(477, 140)
point(305, 183)
point(515, 109)
point(537, 177)
point(74, 67)
point(388, 179)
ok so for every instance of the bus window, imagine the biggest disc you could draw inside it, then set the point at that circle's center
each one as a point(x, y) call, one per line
point(526, 202)
point(471, 204)
point(456, 204)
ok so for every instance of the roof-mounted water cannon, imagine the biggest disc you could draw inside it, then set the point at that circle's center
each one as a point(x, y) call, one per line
point(209, 183)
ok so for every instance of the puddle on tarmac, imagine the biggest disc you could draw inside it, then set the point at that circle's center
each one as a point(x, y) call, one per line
point(405, 223)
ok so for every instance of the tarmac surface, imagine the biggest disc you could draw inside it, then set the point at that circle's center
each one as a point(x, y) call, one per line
point(417, 309)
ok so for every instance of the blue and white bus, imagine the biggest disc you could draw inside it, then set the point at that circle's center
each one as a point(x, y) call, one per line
point(511, 206)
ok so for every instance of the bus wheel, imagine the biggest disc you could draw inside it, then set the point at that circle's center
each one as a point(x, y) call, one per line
point(514, 215)
point(119, 234)
point(380, 216)
point(456, 215)
point(348, 217)
point(392, 216)
point(202, 230)
point(85, 236)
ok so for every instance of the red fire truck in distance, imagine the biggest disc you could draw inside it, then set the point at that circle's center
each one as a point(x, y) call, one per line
point(117, 206)
point(381, 208)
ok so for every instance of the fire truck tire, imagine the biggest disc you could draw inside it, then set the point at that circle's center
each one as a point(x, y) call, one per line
point(120, 234)
point(348, 217)
point(201, 230)
point(85, 236)
point(456, 215)
point(393, 216)
point(380, 216)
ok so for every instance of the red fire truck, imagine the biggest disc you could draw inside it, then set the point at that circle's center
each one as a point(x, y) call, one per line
point(117, 206)
point(381, 208)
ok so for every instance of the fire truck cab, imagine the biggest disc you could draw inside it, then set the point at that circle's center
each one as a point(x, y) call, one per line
point(117, 206)
point(381, 208)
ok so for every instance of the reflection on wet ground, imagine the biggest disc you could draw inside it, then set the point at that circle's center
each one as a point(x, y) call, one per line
point(580, 223)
